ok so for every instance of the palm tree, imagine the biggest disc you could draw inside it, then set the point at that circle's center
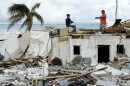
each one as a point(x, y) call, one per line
point(21, 11)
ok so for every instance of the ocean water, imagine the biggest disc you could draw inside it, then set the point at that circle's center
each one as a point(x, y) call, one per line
point(55, 25)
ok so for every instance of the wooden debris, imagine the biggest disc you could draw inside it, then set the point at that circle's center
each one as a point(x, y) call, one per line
point(15, 61)
point(55, 77)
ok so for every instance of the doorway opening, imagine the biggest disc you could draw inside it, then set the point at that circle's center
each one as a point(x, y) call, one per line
point(103, 53)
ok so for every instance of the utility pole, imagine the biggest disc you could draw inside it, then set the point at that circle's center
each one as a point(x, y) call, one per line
point(116, 10)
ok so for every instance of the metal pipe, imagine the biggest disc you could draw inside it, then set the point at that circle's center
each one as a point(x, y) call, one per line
point(116, 10)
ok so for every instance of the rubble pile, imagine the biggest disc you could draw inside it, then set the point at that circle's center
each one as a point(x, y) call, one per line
point(78, 72)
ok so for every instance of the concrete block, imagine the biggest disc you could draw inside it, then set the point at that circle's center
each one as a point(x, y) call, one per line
point(63, 32)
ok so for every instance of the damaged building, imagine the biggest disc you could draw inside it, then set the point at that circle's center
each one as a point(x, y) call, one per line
point(61, 57)
point(98, 47)
point(91, 44)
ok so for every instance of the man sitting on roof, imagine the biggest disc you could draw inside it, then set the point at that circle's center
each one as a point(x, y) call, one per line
point(68, 22)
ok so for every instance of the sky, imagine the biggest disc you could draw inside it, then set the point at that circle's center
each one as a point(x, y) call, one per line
point(80, 10)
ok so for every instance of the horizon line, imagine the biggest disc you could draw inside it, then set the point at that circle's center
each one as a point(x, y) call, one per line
point(55, 22)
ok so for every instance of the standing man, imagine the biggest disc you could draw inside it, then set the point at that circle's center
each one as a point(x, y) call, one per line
point(103, 22)
point(68, 22)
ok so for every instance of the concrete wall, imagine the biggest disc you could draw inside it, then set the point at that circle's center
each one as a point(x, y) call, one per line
point(89, 47)
point(61, 50)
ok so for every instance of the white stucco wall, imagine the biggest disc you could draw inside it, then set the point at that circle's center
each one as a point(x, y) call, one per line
point(89, 47)
point(61, 50)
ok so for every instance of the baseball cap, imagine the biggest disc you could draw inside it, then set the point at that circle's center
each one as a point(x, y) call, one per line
point(68, 14)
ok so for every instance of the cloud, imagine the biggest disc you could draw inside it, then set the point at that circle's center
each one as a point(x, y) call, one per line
point(80, 10)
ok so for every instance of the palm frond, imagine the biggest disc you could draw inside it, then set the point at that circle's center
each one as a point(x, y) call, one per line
point(10, 25)
point(18, 8)
point(24, 23)
point(20, 15)
point(35, 6)
point(13, 22)
point(35, 14)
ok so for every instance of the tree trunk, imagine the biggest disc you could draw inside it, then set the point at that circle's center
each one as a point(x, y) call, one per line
point(29, 21)
point(29, 25)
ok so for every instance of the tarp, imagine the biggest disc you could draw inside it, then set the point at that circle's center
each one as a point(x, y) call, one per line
point(12, 47)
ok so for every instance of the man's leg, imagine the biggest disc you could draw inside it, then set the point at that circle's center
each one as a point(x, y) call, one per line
point(73, 26)
point(101, 27)
point(104, 27)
